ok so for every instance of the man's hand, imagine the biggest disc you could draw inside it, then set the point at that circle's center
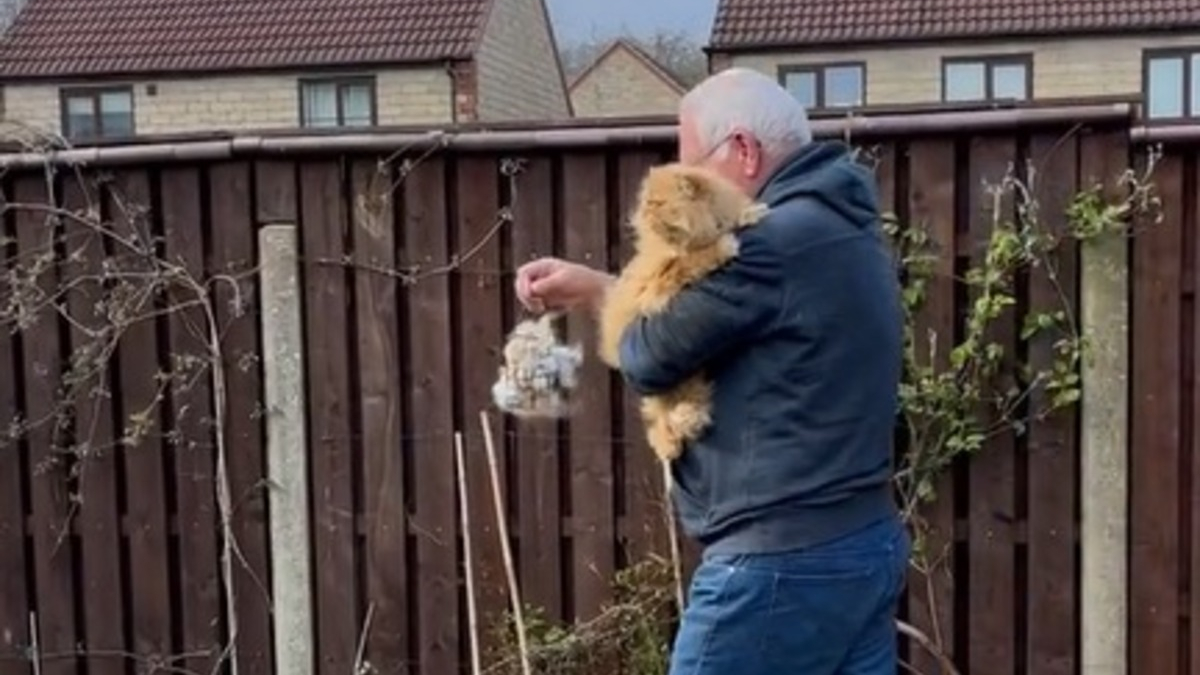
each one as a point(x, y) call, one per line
point(551, 284)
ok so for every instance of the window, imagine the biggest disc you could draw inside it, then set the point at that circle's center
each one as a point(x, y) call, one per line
point(996, 78)
point(337, 102)
point(96, 113)
point(835, 85)
point(1172, 86)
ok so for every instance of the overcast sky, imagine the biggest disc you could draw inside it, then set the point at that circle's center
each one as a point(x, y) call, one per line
point(576, 20)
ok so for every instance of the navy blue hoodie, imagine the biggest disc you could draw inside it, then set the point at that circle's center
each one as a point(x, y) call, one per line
point(802, 337)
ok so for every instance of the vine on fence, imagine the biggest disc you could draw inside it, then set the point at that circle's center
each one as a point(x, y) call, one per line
point(105, 275)
point(958, 394)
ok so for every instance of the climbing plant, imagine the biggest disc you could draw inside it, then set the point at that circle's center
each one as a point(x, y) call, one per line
point(958, 392)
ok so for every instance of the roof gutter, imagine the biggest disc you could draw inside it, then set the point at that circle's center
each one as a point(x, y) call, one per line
point(514, 140)
point(918, 38)
point(1173, 133)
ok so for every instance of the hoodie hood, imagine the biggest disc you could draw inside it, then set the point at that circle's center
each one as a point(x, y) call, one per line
point(825, 170)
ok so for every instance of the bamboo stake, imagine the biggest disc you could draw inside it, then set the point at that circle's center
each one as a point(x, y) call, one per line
point(460, 467)
point(514, 593)
point(673, 538)
point(35, 644)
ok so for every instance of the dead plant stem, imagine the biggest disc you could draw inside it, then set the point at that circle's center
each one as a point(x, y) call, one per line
point(510, 572)
point(460, 466)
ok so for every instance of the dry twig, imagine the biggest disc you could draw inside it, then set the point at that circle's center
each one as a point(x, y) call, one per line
point(460, 466)
point(502, 531)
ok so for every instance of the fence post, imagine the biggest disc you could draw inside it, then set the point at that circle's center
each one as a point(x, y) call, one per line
point(287, 449)
point(1104, 285)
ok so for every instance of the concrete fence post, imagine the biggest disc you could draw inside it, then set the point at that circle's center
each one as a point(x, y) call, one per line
point(1104, 444)
point(287, 449)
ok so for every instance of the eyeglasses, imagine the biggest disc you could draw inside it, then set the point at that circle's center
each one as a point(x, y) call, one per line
point(725, 139)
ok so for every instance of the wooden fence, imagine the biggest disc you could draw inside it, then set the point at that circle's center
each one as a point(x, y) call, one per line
point(110, 552)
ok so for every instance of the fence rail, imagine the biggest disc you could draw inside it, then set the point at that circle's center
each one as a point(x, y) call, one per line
point(113, 531)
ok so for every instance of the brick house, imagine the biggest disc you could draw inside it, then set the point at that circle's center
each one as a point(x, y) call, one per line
point(110, 69)
point(625, 81)
point(837, 55)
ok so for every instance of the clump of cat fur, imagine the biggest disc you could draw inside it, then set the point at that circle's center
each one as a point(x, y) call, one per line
point(684, 226)
point(539, 371)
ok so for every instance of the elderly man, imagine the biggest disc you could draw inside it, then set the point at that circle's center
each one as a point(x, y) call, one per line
point(789, 490)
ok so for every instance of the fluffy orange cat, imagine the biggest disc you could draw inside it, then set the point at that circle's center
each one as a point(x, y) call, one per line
point(684, 226)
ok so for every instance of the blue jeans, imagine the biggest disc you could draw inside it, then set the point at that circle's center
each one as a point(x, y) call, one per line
point(827, 610)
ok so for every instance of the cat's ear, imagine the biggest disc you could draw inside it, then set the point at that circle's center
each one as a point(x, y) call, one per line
point(670, 231)
point(691, 184)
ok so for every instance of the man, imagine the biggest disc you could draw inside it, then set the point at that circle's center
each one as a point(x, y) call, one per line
point(789, 490)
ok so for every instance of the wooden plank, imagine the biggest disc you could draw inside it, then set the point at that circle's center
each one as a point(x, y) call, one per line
point(275, 192)
point(1155, 425)
point(431, 444)
point(99, 519)
point(537, 454)
point(381, 410)
point(233, 243)
point(1052, 448)
point(49, 491)
point(885, 177)
point(192, 439)
point(585, 221)
point(141, 409)
point(931, 206)
point(645, 494)
point(479, 343)
point(1193, 502)
point(14, 599)
point(992, 471)
point(323, 220)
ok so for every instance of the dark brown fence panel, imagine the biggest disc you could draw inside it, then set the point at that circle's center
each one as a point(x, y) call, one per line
point(536, 443)
point(49, 469)
point(1157, 266)
point(1050, 606)
point(478, 301)
point(233, 257)
point(322, 225)
point(1156, 440)
point(931, 204)
point(99, 518)
point(992, 514)
point(15, 596)
point(586, 224)
point(190, 432)
point(1189, 439)
point(140, 427)
point(383, 496)
point(430, 446)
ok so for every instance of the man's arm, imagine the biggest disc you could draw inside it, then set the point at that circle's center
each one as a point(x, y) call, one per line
point(706, 320)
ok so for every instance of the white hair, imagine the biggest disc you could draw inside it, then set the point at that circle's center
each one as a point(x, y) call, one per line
point(741, 97)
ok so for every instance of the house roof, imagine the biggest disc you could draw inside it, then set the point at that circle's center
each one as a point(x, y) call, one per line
point(642, 56)
point(746, 24)
point(70, 38)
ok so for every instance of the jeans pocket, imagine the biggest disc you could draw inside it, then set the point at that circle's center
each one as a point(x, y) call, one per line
point(814, 618)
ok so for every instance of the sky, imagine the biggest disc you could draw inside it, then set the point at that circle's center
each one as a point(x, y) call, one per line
point(579, 20)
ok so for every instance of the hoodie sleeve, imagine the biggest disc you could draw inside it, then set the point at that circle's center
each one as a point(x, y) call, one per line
point(708, 319)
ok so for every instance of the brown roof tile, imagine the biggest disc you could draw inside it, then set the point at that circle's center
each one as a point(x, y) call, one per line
point(64, 38)
point(763, 23)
